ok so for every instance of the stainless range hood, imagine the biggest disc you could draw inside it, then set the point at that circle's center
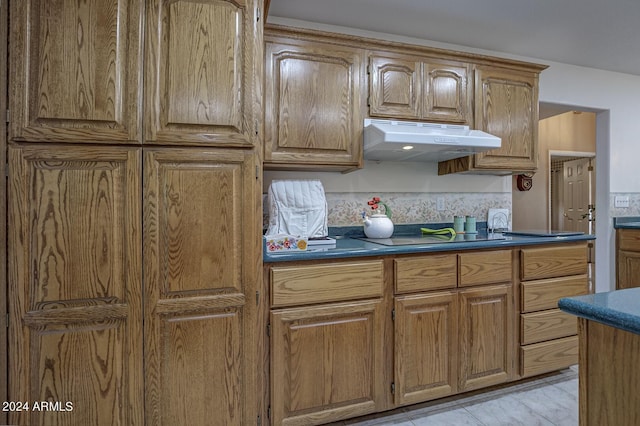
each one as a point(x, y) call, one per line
point(412, 141)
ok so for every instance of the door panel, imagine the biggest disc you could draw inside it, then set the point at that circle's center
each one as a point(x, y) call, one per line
point(73, 80)
point(200, 261)
point(577, 195)
point(75, 292)
point(217, 102)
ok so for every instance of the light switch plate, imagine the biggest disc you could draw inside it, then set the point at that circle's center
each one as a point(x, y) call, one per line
point(621, 201)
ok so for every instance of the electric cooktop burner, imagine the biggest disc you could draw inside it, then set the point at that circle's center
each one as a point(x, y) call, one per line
point(408, 240)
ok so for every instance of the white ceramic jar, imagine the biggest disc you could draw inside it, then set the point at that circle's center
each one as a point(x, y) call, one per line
point(378, 226)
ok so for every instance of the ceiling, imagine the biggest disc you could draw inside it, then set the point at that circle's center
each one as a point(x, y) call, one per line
point(602, 34)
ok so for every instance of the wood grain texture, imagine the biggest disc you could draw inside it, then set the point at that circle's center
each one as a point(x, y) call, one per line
point(76, 292)
point(291, 286)
point(216, 102)
point(608, 375)
point(326, 362)
point(486, 335)
point(447, 91)
point(627, 258)
point(506, 106)
point(75, 71)
point(426, 347)
point(413, 274)
point(536, 327)
point(313, 104)
point(201, 271)
point(4, 25)
point(486, 267)
point(544, 294)
point(548, 356)
point(551, 262)
point(395, 86)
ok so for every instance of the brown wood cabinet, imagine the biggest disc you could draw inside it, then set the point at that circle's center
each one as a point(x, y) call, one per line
point(454, 341)
point(200, 212)
point(548, 337)
point(75, 292)
point(313, 104)
point(135, 270)
point(416, 88)
point(203, 69)
point(327, 359)
point(506, 105)
point(72, 80)
point(627, 258)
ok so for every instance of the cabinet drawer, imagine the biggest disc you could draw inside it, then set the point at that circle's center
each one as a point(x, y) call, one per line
point(548, 356)
point(546, 325)
point(301, 285)
point(425, 273)
point(544, 294)
point(485, 267)
point(628, 239)
point(550, 262)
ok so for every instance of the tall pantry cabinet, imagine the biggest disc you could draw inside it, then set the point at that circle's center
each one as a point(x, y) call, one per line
point(134, 210)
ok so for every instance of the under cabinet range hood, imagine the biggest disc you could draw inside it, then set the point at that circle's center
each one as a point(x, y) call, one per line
point(392, 140)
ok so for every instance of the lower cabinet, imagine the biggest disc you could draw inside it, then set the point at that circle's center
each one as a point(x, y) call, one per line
point(327, 355)
point(627, 258)
point(327, 362)
point(548, 336)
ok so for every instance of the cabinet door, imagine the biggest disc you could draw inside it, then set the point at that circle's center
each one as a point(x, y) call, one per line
point(447, 93)
point(313, 109)
point(326, 362)
point(75, 71)
point(75, 301)
point(486, 336)
point(426, 331)
point(394, 87)
point(628, 269)
point(506, 105)
point(201, 252)
point(203, 72)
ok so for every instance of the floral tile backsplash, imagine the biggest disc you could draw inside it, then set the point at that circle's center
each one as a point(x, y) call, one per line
point(345, 209)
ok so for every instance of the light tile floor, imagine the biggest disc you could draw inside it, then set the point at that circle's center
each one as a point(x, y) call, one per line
point(548, 400)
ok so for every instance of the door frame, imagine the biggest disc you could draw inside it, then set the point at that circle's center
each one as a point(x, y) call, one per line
point(4, 25)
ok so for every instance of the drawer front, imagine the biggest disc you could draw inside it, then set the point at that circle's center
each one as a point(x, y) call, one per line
point(544, 294)
point(628, 239)
point(548, 356)
point(425, 273)
point(546, 325)
point(550, 262)
point(485, 267)
point(301, 285)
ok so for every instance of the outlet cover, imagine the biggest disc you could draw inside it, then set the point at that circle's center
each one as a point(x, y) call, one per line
point(440, 204)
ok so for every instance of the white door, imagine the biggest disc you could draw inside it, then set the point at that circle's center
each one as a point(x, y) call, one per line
point(577, 196)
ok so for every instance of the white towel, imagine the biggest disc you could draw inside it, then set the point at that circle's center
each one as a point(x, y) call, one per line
point(297, 207)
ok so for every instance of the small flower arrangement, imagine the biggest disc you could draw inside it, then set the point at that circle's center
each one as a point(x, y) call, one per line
point(375, 204)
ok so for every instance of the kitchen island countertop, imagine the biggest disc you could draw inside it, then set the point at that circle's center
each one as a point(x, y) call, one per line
point(352, 247)
point(619, 309)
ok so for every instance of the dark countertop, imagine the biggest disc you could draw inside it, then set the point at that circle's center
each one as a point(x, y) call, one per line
point(619, 308)
point(347, 247)
point(626, 222)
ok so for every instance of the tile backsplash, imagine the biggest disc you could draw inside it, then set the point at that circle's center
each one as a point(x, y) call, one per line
point(632, 210)
point(345, 208)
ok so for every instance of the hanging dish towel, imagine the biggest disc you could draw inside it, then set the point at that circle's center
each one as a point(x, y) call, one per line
point(297, 207)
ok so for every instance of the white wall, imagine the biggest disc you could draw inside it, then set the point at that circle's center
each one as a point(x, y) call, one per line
point(614, 96)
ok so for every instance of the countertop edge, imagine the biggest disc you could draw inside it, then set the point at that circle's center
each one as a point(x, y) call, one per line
point(372, 249)
point(611, 317)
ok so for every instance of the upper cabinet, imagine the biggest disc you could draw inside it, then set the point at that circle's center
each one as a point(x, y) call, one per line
point(203, 71)
point(506, 105)
point(419, 89)
point(313, 104)
point(72, 80)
